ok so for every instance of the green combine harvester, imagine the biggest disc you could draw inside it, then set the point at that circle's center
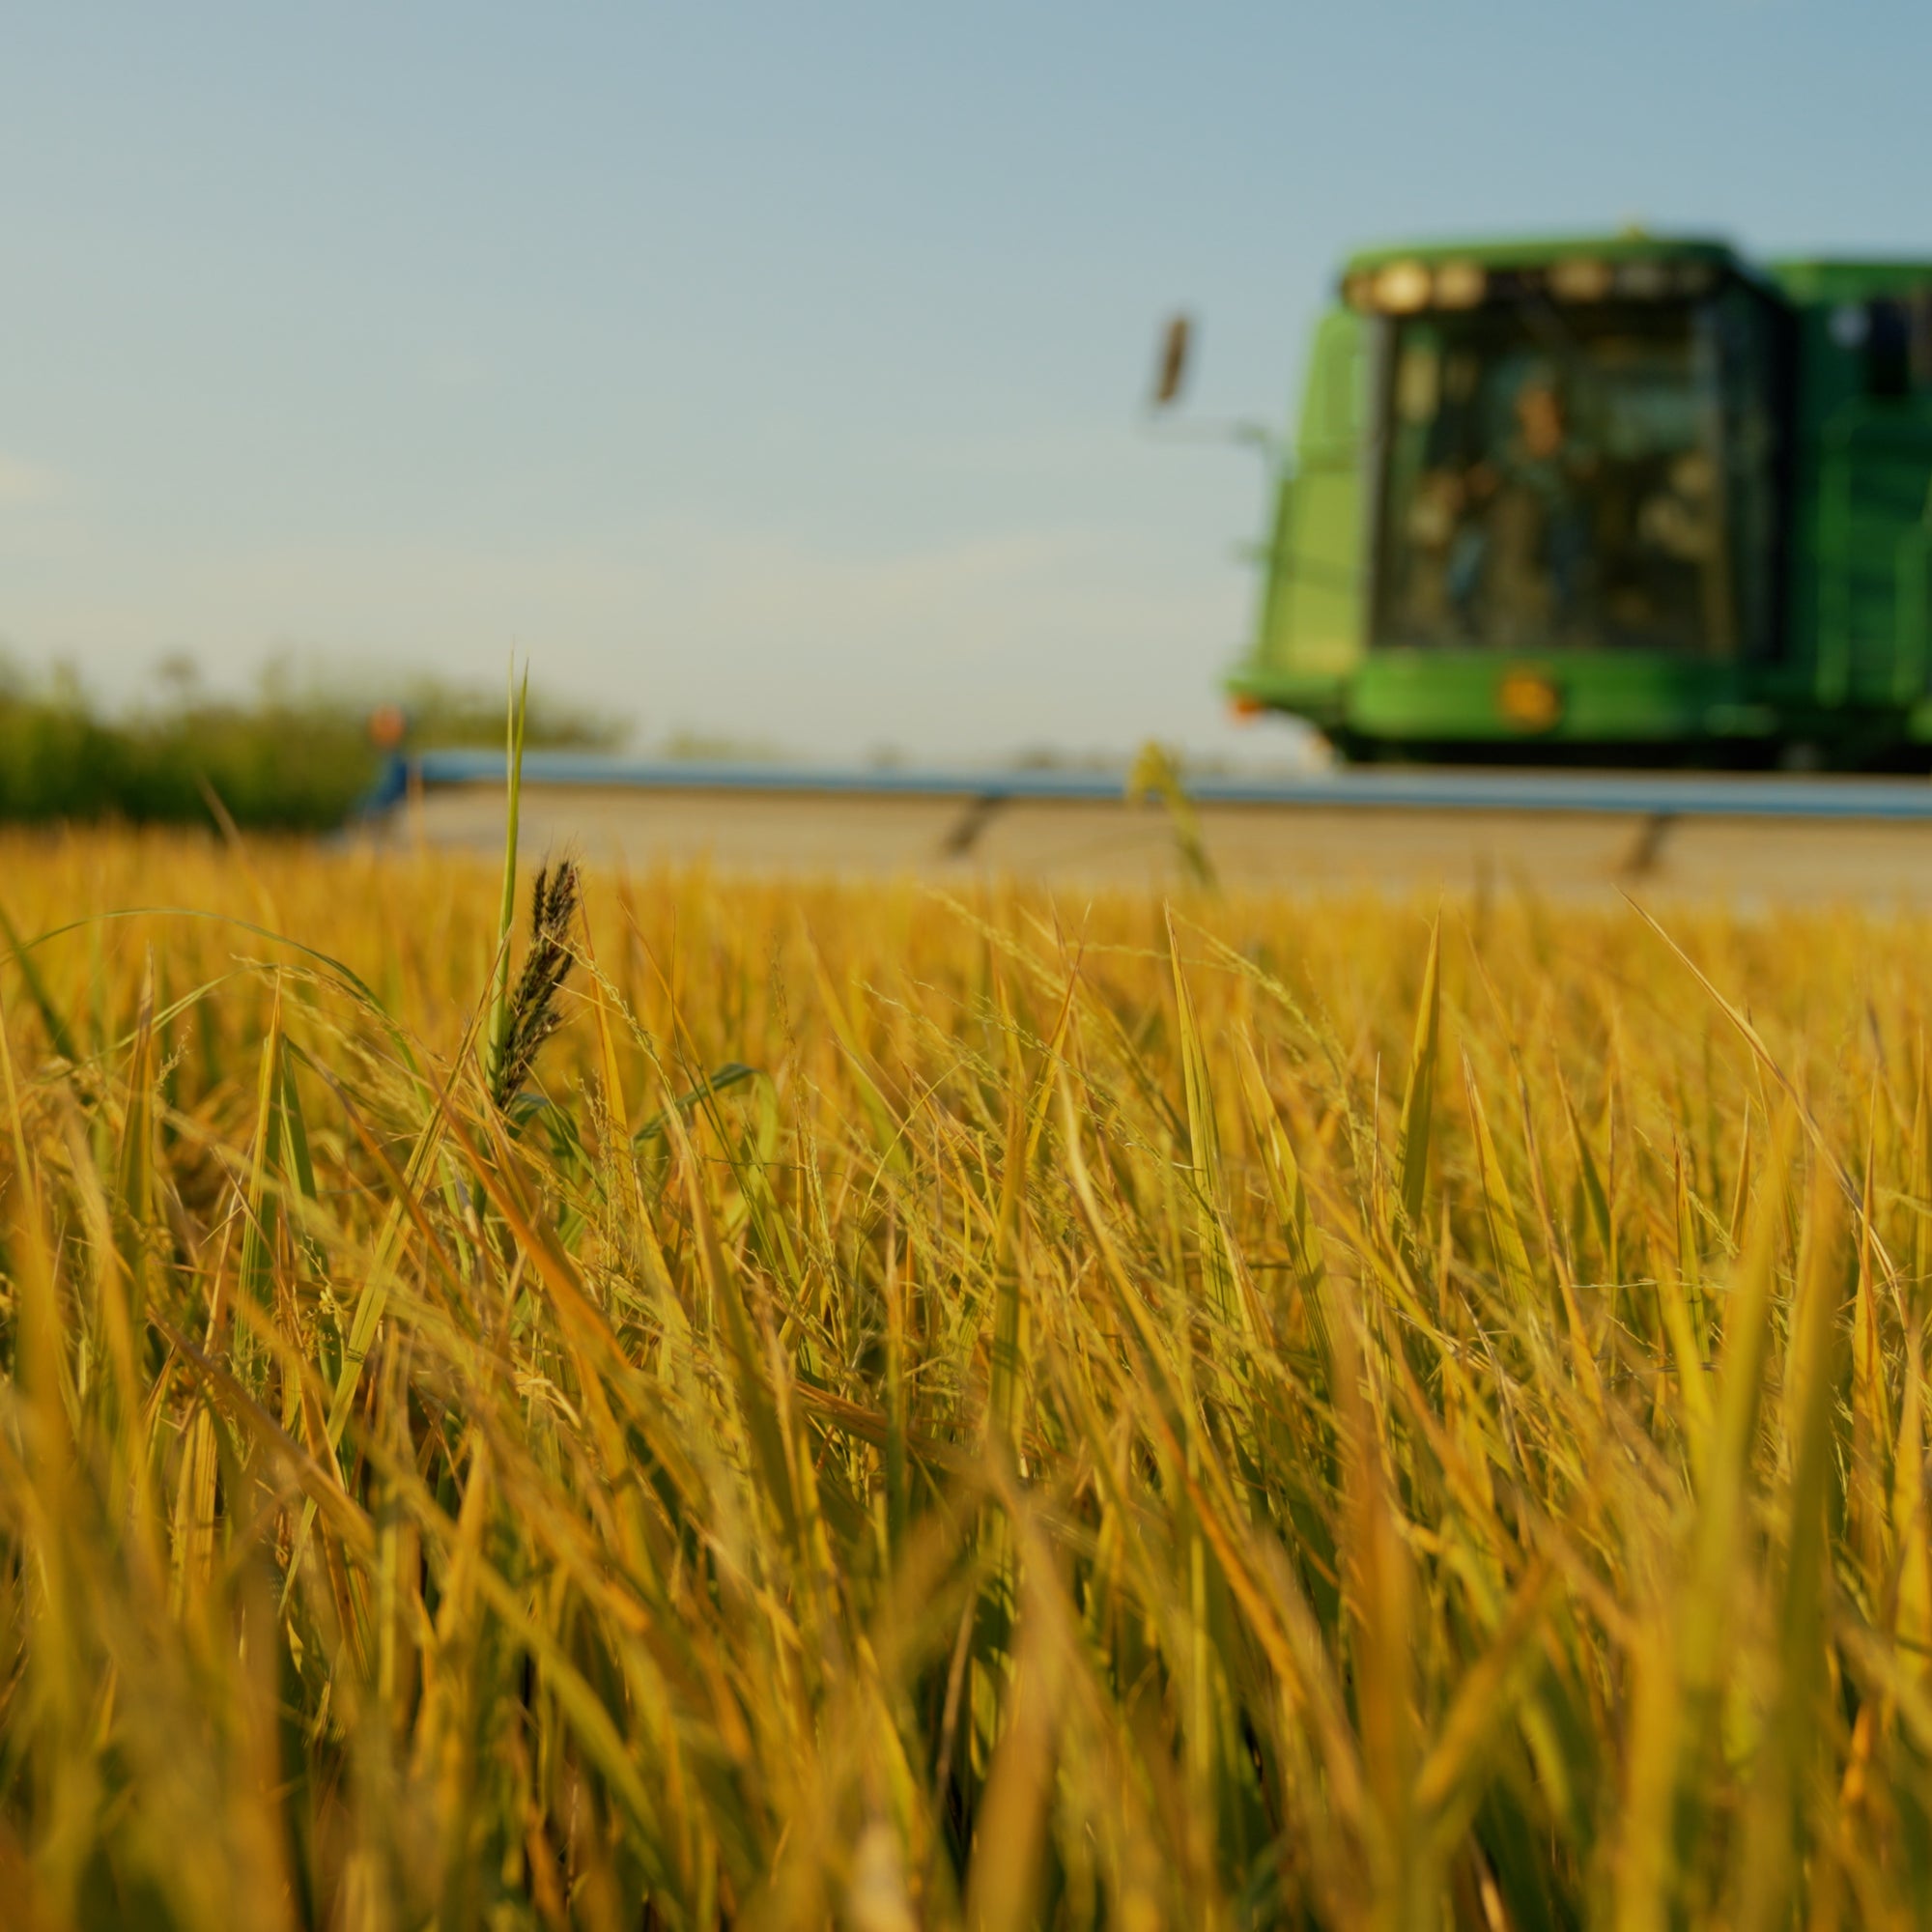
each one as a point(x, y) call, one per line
point(1619, 501)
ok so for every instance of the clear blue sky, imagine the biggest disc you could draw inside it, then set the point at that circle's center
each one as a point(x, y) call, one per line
point(774, 369)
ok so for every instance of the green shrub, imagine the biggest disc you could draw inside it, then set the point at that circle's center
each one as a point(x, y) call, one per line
point(287, 759)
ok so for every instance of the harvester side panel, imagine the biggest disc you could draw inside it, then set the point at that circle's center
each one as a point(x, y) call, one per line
point(1316, 612)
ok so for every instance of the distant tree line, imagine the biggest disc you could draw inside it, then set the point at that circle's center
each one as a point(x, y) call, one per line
point(290, 757)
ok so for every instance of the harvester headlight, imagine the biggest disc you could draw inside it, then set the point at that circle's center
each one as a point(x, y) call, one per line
point(1644, 281)
point(1403, 288)
point(1459, 285)
point(1579, 279)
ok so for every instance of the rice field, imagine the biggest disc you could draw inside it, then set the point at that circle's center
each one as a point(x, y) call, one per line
point(772, 1405)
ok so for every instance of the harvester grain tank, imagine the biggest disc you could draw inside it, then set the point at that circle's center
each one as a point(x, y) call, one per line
point(1623, 499)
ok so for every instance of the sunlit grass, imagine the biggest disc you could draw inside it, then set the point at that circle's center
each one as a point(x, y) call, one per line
point(1245, 1415)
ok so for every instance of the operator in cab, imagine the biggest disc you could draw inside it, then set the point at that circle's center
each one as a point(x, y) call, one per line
point(1522, 547)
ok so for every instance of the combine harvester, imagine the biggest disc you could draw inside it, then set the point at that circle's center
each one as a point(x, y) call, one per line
point(1624, 502)
point(1609, 502)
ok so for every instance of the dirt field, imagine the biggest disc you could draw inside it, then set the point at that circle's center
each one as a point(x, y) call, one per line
point(1568, 856)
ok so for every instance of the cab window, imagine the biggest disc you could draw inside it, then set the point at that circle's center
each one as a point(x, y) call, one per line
point(1560, 476)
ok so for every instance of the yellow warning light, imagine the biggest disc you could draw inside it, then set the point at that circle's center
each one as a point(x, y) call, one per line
point(1530, 702)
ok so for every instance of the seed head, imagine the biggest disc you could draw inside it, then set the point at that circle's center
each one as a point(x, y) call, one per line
point(533, 1009)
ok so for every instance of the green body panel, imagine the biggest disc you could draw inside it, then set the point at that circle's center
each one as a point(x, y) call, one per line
point(1314, 609)
point(1842, 665)
point(1602, 699)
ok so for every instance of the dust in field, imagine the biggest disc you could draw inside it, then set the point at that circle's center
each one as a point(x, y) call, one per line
point(940, 1407)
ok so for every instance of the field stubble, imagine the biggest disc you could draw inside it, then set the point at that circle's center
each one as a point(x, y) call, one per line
point(935, 1410)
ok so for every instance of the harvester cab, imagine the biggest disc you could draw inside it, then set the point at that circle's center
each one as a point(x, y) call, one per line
point(1614, 500)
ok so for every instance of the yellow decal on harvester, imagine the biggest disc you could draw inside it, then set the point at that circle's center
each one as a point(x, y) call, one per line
point(1530, 702)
